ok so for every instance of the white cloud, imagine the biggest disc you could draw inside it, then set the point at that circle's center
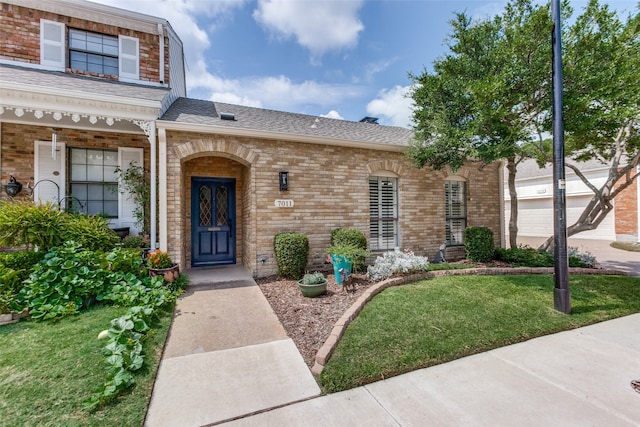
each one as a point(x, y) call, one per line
point(395, 104)
point(333, 114)
point(320, 26)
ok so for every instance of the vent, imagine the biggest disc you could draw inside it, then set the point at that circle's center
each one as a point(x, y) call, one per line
point(372, 120)
point(227, 116)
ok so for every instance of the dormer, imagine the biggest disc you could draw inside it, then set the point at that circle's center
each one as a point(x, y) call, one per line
point(81, 37)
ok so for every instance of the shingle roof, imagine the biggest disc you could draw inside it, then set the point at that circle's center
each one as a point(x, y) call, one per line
point(186, 110)
point(72, 82)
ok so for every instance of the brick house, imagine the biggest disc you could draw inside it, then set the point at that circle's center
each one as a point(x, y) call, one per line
point(229, 177)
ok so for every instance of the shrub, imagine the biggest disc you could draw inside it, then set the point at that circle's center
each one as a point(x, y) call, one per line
point(316, 278)
point(136, 241)
point(391, 263)
point(24, 223)
point(580, 259)
point(478, 244)
point(126, 261)
point(45, 226)
point(58, 284)
point(524, 256)
point(90, 231)
point(15, 268)
point(292, 254)
point(351, 237)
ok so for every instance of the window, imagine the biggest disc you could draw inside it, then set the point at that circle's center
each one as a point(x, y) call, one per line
point(93, 181)
point(96, 53)
point(383, 207)
point(456, 211)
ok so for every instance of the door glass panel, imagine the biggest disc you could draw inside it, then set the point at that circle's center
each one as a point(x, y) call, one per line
point(205, 206)
point(222, 205)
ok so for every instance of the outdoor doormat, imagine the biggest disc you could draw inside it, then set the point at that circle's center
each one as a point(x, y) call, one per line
point(635, 384)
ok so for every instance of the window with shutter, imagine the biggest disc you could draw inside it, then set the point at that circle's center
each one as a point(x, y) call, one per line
point(455, 211)
point(383, 212)
point(52, 44)
point(93, 181)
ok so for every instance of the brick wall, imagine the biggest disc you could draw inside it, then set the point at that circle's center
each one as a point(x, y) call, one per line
point(329, 186)
point(626, 213)
point(17, 148)
point(20, 30)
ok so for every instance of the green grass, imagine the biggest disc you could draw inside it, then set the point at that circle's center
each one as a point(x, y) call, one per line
point(434, 321)
point(626, 246)
point(48, 369)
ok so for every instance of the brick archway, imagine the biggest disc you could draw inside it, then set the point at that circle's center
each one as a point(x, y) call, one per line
point(219, 147)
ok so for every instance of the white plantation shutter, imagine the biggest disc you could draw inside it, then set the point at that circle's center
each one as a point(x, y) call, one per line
point(456, 211)
point(47, 168)
point(128, 58)
point(52, 44)
point(126, 204)
point(383, 208)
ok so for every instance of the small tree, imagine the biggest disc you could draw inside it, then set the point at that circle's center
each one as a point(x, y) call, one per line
point(134, 181)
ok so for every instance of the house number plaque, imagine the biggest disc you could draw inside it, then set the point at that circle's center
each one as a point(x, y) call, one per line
point(286, 203)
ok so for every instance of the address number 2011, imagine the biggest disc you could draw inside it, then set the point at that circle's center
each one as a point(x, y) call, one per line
point(284, 203)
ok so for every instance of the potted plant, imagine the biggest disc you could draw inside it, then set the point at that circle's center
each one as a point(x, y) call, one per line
point(313, 284)
point(160, 264)
point(343, 257)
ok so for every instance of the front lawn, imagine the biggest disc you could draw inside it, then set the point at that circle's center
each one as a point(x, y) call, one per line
point(438, 320)
point(47, 370)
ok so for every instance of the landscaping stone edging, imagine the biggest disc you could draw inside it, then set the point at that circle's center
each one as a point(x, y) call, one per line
point(323, 355)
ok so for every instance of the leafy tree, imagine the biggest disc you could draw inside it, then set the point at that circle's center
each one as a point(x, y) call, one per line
point(602, 105)
point(487, 99)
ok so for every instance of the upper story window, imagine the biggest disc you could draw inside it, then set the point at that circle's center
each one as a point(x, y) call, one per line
point(96, 53)
point(87, 51)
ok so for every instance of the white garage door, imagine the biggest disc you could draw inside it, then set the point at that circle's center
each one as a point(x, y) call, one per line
point(535, 218)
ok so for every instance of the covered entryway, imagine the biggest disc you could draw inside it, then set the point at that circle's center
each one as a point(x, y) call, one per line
point(212, 221)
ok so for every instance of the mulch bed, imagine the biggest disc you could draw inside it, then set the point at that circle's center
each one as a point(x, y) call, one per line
point(308, 321)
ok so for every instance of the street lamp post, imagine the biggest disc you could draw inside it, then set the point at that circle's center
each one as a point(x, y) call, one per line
point(561, 293)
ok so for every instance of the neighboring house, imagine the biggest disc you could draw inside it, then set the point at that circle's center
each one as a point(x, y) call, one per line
point(229, 177)
point(535, 203)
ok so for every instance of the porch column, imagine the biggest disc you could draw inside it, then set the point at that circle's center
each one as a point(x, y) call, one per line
point(162, 148)
point(154, 196)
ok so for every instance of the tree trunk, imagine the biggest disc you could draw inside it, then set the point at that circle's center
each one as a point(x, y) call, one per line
point(513, 195)
point(602, 201)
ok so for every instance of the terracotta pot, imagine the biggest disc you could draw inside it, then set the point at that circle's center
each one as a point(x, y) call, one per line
point(169, 274)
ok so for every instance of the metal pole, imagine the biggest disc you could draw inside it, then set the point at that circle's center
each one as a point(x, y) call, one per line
point(561, 293)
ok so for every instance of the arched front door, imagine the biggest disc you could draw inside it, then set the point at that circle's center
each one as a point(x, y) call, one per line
point(213, 222)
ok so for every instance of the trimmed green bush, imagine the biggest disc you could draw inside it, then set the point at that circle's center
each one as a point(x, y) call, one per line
point(292, 254)
point(351, 237)
point(478, 244)
point(525, 256)
point(45, 226)
point(90, 231)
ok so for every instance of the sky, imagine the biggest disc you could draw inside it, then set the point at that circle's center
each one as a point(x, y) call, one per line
point(344, 59)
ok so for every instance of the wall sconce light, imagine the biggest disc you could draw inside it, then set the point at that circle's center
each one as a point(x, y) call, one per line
point(284, 181)
point(13, 187)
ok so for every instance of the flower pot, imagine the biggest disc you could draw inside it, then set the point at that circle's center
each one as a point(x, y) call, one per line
point(341, 263)
point(169, 274)
point(311, 291)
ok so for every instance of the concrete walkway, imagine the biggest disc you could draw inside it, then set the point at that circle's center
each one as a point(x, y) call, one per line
point(226, 355)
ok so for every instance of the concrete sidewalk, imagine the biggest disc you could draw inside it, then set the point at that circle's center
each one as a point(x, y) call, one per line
point(574, 378)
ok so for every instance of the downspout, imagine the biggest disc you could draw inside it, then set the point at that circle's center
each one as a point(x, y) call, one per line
point(162, 149)
point(161, 34)
point(501, 196)
point(152, 214)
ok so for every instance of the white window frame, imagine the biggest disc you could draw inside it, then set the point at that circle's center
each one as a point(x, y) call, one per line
point(450, 219)
point(383, 212)
point(126, 58)
point(48, 47)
